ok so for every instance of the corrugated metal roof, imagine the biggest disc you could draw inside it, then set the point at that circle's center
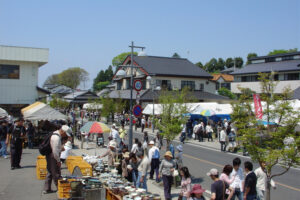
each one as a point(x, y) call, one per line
point(289, 65)
point(25, 54)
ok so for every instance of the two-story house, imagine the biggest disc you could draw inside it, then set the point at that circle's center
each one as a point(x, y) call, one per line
point(286, 68)
point(19, 67)
point(167, 73)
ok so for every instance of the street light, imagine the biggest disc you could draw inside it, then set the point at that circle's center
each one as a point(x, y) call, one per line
point(152, 83)
point(122, 73)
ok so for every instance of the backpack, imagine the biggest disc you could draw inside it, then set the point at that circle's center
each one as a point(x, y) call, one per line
point(156, 154)
point(45, 147)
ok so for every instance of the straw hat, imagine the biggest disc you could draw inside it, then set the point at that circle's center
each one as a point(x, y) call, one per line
point(168, 153)
point(197, 189)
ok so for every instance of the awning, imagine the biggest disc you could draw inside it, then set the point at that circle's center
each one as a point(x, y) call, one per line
point(41, 111)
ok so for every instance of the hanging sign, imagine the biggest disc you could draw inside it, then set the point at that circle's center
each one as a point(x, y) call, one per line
point(258, 107)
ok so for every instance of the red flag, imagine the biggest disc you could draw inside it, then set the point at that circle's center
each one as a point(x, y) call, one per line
point(257, 106)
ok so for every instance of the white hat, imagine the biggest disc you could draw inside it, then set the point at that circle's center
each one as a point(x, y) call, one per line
point(151, 142)
point(213, 172)
point(113, 144)
point(179, 147)
point(67, 130)
point(232, 130)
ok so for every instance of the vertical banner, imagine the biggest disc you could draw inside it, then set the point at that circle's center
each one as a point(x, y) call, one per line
point(257, 106)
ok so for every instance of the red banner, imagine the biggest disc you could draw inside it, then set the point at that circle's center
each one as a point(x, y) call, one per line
point(257, 106)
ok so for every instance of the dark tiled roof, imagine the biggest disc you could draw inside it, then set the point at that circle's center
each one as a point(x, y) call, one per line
point(275, 56)
point(170, 66)
point(296, 94)
point(43, 90)
point(289, 65)
point(198, 95)
point(81, 95)
point(227, 70)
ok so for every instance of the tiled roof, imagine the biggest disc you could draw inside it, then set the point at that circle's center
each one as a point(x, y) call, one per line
point(226, 77)
point(289, 65)
point(166, 66)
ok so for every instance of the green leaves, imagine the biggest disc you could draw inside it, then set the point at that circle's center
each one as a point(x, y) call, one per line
point(227, 93)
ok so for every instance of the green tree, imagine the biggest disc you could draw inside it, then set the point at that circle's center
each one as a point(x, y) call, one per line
point(101, 85)
point(103, 79)
point(211, 66)
point(229, 63)
point(280, 51)
point(173, 107)
point(58, 103)
point(119, 59)
point(108, 107)
point(71, 77)
point(238, 62)
point(250, 55)
point(272, 145)
point(227, 93)
point(176, 55)
point(199, 64)
point(220, 64)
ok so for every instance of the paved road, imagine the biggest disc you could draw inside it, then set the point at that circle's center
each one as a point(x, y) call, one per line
point(200, 160)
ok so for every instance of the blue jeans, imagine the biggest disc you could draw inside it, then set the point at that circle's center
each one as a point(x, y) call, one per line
point(3, 148)
point(143, 184)
point(251, 197)
point(134, 177)
point(237, 193)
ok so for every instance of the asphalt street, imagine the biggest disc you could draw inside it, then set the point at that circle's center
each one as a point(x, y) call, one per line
point(200, 160)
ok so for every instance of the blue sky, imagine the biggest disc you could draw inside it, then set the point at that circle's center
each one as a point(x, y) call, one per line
point(90, 33)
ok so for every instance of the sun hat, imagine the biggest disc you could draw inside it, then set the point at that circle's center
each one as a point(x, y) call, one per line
point(126, 154)
point(67, 130)
point(197, 189)
point(112, 144)
point(212, 172)
point(168, 153)
point(179, 147)
point(151, 142)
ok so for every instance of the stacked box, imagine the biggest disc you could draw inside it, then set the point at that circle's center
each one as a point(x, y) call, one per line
point(41, 168)
point(64, 189)
point(85, 168)
point(71, 159)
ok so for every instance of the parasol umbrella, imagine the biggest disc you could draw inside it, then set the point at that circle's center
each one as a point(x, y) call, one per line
point(207, 112)
point(95, 127)
point(3, 113)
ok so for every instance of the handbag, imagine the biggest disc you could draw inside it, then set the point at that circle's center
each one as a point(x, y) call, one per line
point(175, 173)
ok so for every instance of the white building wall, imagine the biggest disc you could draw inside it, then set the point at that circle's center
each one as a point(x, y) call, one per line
point(256, 86)
point(22, 90)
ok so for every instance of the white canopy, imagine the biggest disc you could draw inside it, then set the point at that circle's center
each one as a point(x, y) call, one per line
point(41, 111)
point(92, 106)
point(3, 113)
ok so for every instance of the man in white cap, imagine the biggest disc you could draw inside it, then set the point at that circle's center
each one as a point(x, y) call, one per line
point(110, 153)
point(154, 156)
point(53, 159)
point(219, 187)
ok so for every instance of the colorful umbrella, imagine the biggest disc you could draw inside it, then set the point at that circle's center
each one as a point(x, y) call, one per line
point(95, 127)
point(207, 112)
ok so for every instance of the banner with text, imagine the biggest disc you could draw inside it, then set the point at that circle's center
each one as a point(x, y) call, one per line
point(257, 106)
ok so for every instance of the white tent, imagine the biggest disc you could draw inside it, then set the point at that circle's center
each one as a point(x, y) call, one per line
point(92, 106)
point(3, 113)
point(41, 111)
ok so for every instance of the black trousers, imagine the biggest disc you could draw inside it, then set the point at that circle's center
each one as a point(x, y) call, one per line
point(53, 172)
point(154, 167)
point(168, 181)
point(15, 153)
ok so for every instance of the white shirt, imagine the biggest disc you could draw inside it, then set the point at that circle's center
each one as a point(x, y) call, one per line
point(143, 121)
point(262, 179)
point(238, 179)
point(151, 152)
point(209, 129)
point(66, 152)
point(222, 136)
point(144, 166)
point(55, 144)
point(134, 148)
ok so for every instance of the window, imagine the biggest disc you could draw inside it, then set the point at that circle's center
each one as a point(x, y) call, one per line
point(225, 85)
point(253, 78)
point(287, 58)
point(119, 85)
point(201, 86)
point(276, 77)
point(189, 84)
point(270, 59)
point(217, 86)
point(127, 84)
point(291, 76)
point(9, 71)
point(164, 84)
point(144, 84)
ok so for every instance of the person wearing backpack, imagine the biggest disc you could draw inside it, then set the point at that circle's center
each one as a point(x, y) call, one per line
point(154, 156)
point(53, 157)
point(16, 133)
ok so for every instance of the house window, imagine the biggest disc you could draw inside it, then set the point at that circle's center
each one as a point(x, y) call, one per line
point(276, 77)
point(217, 86)
point(291, 76)
point(119, 85)
point(144, 84)
point(270, 59)
point(164, 84)
point(253, 78)
point(127, 84)
point(287, 58)
point(9, 71)
point(189, 84)
point(201, 86)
